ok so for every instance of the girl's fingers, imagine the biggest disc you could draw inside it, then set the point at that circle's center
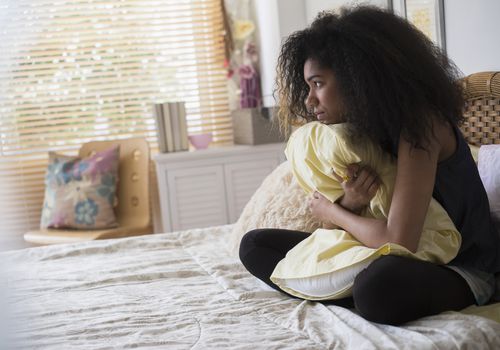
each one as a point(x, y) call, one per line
point(362, 177)
point(353, 171)
point(339, 178)
point(372, 178)
point(365, 177)
point(373, 188)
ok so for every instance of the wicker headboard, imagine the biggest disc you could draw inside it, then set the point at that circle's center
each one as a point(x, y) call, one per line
point(482, 110)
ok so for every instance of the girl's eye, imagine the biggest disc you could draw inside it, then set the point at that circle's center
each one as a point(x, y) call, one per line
point(317, 83)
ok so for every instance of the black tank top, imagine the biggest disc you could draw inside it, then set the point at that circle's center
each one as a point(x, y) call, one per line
point(459, 190)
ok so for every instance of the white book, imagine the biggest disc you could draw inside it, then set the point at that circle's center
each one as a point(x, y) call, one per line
point(160, 130)
point(183, 123)
point(167, 127)
point(174, 117)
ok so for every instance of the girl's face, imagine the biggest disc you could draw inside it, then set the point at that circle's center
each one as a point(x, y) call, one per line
point(323, 98)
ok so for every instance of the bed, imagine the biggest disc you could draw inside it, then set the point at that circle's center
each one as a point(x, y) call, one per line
point(181, 290)
point(186, 290)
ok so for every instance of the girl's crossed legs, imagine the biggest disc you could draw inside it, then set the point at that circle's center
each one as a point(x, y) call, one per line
point(391, 290)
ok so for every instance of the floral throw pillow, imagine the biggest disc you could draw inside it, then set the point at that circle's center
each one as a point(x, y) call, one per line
point(80, 193)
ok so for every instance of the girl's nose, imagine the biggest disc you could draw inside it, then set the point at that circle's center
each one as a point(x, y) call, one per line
point(310, 102)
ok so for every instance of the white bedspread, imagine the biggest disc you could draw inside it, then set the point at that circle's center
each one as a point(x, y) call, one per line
point(183, 291)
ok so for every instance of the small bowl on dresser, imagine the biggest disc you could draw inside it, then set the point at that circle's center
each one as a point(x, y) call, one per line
point(200, 141)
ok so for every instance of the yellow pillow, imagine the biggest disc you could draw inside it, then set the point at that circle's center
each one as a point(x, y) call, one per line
point(474, 150)
point(324, 265)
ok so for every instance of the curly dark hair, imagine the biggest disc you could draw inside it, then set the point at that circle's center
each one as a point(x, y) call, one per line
point(393, 80)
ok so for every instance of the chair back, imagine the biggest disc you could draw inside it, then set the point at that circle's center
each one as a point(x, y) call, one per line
point(133, 208)
point(482, 109)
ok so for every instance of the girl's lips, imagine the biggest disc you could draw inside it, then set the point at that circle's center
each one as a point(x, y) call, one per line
point(320, 115)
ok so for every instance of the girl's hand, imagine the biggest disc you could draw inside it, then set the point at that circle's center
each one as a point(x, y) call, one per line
point(360, 187)
point(319, 206)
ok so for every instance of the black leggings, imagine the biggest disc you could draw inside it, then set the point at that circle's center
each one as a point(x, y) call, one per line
point(391, 290)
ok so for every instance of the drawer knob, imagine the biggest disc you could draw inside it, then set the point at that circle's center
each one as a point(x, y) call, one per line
point(136, 154)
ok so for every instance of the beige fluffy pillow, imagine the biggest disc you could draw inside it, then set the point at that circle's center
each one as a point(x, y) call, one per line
point(278, 203)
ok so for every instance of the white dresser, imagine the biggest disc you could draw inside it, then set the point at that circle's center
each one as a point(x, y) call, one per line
point(211, 187)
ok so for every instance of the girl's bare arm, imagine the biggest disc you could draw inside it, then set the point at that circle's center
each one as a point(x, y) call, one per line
point(416, 170)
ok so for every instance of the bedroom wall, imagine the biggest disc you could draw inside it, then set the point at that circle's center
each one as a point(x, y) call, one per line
point(472, 34)
point(276, 19)
point(315, 6)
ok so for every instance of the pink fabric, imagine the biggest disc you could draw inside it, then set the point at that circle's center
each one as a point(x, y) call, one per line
point(250, 87)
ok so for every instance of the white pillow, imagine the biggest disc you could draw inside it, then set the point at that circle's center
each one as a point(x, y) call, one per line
point(489, 171)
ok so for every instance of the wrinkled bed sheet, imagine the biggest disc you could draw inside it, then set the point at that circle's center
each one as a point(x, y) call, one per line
point(181, 290)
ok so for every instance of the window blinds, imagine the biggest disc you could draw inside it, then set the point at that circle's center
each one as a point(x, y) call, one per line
point(72, 71)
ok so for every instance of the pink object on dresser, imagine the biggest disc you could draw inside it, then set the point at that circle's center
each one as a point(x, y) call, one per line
point(200, 141)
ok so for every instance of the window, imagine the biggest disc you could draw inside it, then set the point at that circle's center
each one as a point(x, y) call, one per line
point(72, 71)
point(426, 15)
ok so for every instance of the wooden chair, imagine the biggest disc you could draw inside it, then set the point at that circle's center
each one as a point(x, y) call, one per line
point(133, 209)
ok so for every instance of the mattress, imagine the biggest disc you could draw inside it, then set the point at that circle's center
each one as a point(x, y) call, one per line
point(182, 290)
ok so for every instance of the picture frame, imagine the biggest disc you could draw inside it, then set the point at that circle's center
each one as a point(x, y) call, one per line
point(426, 15)
point(313, 7)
